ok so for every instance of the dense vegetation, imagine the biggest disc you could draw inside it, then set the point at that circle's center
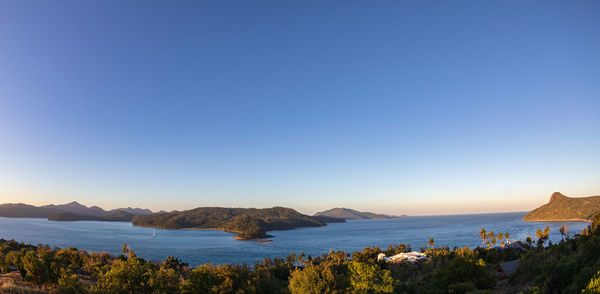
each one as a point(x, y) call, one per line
point(249, 223)
point(74, 271)
point(566, 267)
point(562, 207)
point(113, 216)
point(571, 266)
point(346, 213)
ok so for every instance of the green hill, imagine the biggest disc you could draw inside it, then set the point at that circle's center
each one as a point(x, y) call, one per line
point(562, 208)
point(112, 216)
point(249, 223)
point(346, 213)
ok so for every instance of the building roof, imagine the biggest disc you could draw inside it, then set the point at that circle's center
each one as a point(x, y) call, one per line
point(510, 267)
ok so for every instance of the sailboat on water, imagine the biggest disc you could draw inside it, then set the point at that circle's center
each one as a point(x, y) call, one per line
point(154, 234)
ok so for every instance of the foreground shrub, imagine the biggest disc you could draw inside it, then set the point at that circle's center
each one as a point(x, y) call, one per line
point(370, 278)
point(68, 283)
point(126, 276)
point(313, 279)
point(461, 271)
point(594, 285)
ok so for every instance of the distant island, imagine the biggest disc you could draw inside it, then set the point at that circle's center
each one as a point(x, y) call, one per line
point(563, 208)
point(248, 223)
point(70, 212)
point(113, 216)
point(346, 213)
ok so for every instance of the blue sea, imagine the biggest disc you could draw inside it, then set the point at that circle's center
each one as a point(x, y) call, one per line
point(211, 246)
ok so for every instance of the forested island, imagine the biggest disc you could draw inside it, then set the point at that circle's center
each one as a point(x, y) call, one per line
point(347, 213)
point(563, 208)
point(113, 216)
point(535, 266)
point(249, 223)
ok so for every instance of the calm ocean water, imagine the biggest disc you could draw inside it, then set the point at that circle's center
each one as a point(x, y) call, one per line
point(204, 246)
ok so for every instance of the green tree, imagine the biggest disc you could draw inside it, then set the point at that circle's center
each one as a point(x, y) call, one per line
point(273, 279)
point(370, 278)
point(492, 237)
point(127, 276)
point(175, 264)
point(35, 270)
point(542, 236)
point(231, 279)
point(431, 242)
point(564, 231)
point(313, 279)
point(125, 249)
point(68, 283)
point(461, 270)
point(200, 280)
point(13, 258)
point(529, 240)
point(500, 236)
point(593, 286)
point(483, 236)
point(4, 263)
point(165, 280)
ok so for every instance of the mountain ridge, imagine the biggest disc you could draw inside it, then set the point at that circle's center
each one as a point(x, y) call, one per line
point(22, 210)
point(564, 208)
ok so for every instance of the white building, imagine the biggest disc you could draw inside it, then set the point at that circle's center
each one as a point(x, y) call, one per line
point(411, 257)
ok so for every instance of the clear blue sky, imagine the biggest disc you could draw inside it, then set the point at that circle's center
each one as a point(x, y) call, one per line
point(416, 107)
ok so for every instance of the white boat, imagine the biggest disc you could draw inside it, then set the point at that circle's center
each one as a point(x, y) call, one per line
point(154, 234)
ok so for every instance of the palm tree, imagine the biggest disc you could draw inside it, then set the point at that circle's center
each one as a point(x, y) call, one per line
point(542, 235)
point(125, 249)
point(507, 236)
point(564, 231)
point(483, 236)
point(547, 231)
point(501, 238)
point(492, 238)
point(529, 240)
point(431, 242)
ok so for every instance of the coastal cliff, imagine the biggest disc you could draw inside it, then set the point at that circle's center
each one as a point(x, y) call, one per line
point(563, 208)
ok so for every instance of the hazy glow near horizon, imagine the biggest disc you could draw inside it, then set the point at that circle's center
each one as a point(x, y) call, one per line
point(396, 107)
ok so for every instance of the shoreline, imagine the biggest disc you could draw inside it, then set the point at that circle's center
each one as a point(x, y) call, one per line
point(237, 236)
point(559, 220)
point(207, 229)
